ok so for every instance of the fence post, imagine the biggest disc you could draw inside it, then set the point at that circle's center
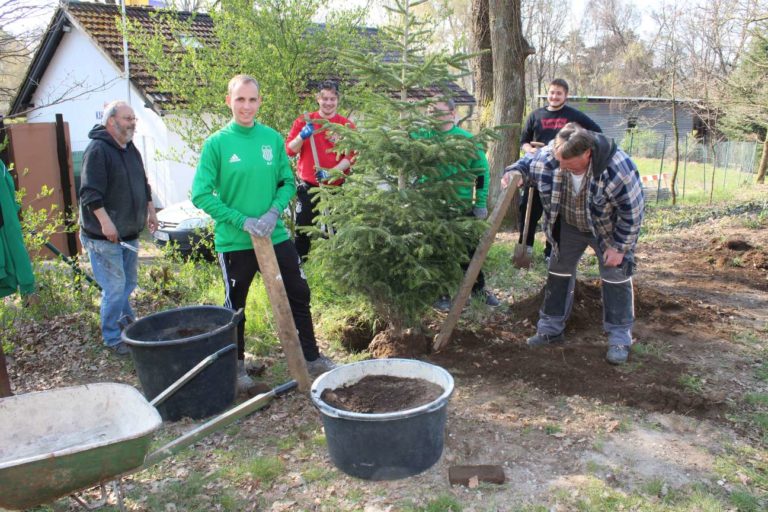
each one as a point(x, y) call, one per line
point(685, 167)
point(661, 166)
point(631, 141)
point(727, 161)
point(706, 157)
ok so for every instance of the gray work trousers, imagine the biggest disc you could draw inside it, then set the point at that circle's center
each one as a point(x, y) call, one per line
point(618, 298)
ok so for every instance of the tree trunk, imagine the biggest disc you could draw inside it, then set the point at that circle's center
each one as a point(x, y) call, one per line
point(482, 66)
point(763, 163)
point(510, 49)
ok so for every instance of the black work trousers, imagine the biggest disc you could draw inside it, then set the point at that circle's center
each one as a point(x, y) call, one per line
point(537, 209)
point(305, 216)
point(239, 268)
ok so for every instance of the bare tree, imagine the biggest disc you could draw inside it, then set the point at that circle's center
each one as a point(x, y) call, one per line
point(509, 50)
point(482, 67)
point(21, 24)
point(545, 29)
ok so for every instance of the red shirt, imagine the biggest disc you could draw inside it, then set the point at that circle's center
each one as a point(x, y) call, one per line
point(324, 141)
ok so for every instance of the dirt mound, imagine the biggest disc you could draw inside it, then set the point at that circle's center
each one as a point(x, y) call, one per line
point(579, 368)
point(411, 344)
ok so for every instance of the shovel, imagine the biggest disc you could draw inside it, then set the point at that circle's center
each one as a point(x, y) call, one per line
point(316, 159)
point(522, 259)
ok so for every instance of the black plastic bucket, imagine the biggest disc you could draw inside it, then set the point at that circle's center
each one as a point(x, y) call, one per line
point(391, 445)
point(166, 345)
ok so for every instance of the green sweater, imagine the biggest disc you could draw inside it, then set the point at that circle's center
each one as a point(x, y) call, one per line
point(243, 172)
point(15, 268)
point(478, 166)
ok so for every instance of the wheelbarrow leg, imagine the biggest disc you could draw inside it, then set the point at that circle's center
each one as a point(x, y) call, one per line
point(103, 500)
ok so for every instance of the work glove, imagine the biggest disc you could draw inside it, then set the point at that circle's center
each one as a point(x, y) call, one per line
point(264, 225)
point(321, 175)
point(480, 213)
point(307, 131)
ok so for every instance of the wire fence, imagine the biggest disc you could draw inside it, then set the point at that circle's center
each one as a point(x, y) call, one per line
point(702, 168)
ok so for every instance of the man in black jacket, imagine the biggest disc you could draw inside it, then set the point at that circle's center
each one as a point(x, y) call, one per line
point(115, 205)
point(540, 128)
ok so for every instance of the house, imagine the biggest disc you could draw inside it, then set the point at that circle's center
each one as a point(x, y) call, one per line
point(81, 58)
point(618, 115)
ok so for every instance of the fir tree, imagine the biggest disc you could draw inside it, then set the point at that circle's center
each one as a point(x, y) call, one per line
point(401, 232)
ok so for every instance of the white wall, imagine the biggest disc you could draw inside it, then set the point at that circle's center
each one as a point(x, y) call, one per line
point(82, 72)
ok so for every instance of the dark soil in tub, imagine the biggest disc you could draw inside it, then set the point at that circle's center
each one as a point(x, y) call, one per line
point(377, 394)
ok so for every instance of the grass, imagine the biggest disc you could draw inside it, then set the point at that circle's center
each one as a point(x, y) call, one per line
point(691, 383)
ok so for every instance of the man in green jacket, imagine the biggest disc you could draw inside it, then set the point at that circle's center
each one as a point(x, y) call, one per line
point(475, 196)
point(244, 181)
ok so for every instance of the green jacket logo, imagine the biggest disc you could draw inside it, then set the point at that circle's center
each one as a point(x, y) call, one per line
point(266, 153)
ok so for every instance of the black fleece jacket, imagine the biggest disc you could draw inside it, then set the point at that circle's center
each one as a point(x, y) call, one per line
point(113, 178)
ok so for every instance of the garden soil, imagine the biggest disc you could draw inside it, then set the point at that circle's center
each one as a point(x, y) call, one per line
point(555, 418)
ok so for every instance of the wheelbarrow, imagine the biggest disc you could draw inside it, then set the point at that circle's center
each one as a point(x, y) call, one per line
point(58, 442)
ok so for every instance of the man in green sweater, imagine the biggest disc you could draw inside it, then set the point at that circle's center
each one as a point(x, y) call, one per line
point(474, 196)
point(244, 181)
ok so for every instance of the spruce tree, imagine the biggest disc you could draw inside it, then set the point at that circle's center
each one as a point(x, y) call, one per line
point(401, 234)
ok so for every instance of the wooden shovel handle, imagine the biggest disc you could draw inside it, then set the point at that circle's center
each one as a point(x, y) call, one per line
point(476, 263)
point(281, 308)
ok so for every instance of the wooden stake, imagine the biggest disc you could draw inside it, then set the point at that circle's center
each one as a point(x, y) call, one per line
point(5, 381)
point(278, 298)
point(476, 264)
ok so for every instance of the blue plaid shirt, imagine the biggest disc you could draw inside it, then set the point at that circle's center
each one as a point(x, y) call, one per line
point(615, 198)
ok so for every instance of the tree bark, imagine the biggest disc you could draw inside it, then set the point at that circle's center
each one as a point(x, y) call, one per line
point(509, 51)
point(482, 66)
point(760, 178)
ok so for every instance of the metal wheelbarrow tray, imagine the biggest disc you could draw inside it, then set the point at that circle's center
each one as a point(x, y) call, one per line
point(55, 442)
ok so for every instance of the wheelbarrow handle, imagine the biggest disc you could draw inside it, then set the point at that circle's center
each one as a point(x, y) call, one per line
point(166, 393)
point(215, 424)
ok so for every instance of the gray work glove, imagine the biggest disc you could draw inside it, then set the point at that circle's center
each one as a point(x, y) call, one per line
point(264, 225)
point(480, 213)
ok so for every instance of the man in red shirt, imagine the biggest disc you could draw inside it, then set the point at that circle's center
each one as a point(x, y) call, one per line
point(311, 173)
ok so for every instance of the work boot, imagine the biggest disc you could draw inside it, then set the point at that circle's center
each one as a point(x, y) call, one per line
point(120, 349)
point(244, 382)
point(319, 366)
point(443, 304)
point(617, 354)
point(488, 297)
point(540, 340)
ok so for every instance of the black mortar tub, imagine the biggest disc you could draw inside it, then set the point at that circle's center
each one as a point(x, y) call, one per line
point(168, 344)
point(384, 446)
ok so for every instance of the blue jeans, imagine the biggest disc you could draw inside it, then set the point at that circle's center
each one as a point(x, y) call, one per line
point(115, 268)
point(618, 297)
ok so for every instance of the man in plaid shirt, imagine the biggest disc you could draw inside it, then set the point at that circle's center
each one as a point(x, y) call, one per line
point(594, 187)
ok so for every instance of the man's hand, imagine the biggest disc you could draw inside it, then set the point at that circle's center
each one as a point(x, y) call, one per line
point(307, 131)
point(321, 175)
point(264, 225)
point(506, 179)
point(108, 228)
point(151, 217)
point(480, 213)
point(612, 257)
point(532, 147)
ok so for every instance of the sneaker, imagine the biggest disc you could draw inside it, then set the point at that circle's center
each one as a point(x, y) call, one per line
point(617, 354)
point(489, 298)
point(443, 304)
point(120, 349)
point(320, 365)
point(540, 340)
point(244, 382)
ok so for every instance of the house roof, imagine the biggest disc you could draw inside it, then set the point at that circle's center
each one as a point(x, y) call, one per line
point(100, 23)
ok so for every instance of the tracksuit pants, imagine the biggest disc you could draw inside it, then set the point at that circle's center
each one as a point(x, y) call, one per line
point(239, 268)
